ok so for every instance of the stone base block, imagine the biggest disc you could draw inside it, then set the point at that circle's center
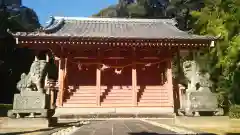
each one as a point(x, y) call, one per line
point(26, 123)
point(30, 100)
point(42, 113)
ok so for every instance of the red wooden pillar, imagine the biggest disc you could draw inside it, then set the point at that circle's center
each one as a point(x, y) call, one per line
point(134, 85)
point(98, 86)
point(61, 80)
point(98, 81)
point(170, 82)
point(134, 79)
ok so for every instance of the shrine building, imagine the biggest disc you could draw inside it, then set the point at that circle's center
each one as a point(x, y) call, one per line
point(108, 65)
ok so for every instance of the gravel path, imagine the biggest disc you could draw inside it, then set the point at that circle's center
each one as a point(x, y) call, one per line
point(121, 127)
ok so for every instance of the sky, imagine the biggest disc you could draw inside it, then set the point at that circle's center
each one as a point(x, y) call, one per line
point(70, 8)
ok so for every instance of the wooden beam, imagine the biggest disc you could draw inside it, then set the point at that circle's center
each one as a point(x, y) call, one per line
point(134, 79)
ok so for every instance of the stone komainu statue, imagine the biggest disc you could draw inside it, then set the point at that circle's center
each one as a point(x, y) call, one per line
point(195, 77)
point(34, 80)
point(197, 97)
point(32, 99)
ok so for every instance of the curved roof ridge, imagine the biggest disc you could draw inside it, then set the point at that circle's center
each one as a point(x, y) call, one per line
point(173, 21)
point(113, 28)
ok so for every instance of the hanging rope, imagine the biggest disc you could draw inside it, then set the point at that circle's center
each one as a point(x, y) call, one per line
point(118, 69)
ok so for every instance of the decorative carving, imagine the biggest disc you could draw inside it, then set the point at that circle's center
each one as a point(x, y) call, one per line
point(197, 81)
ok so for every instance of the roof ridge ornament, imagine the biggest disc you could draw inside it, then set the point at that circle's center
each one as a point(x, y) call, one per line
point(171, 21)
point(50, 22)
point(54, 25)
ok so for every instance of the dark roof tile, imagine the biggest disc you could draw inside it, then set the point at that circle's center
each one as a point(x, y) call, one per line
point(113, 27)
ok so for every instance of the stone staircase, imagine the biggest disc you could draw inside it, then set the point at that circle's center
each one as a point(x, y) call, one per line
point(84, 96)
point(117, 96)
point(153, 96)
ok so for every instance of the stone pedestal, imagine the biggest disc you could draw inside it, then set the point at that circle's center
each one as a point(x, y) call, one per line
point(26, 123)
point(30, 110)
point(29, 104)
point(199, 103)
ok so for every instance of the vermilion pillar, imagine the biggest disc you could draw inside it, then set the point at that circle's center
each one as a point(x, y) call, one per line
point(61, 80)
point(98, 85)
point(170, 82)
point(134, 85)
point(134, 79)
point(65, 76)
point(98, 80)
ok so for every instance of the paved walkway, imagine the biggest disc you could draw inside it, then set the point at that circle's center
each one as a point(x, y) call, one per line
point(121, 127)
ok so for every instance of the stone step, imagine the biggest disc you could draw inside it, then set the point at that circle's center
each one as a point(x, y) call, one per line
point(153, 87)
point(115, 101)
point(118, 97)
point(161, 94)
point(154, 105)
point(82, 98)
point(117, 87)
point(120, 91)
point(84, 94)
point(116, 104)
point(119, 94)
point(88, 91)
point(105, 87)
point(77, 105)
point(154, 98)
point(152, 101)
point(155, 91)
point(82, 101)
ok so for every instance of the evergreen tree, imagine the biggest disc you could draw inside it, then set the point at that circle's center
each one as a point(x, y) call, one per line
point(13, 17)
point(222, 18)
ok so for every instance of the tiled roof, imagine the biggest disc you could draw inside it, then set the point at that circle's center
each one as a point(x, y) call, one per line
point(112, 28)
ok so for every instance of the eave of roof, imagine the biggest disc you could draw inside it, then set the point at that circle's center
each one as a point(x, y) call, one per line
point(120, 28)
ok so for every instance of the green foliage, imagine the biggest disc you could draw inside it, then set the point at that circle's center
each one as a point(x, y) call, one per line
point(110, 11)
point(140, 9)
point(234, 112)
point(221, 18)
point(136, 10)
